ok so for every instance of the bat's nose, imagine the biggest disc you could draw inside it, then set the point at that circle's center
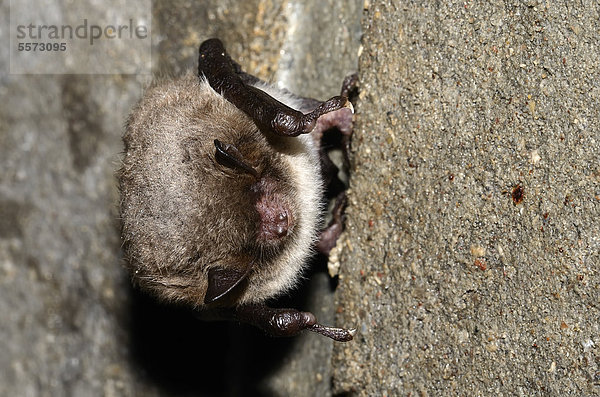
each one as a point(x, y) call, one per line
point(281, 224)
point(275, 218)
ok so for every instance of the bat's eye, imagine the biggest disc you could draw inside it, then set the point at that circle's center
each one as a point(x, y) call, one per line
point(229, 156)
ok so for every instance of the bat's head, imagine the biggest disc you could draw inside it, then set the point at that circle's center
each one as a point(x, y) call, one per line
point(214, 211)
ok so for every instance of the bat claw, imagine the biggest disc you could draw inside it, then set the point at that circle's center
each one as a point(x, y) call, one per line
point(337, 334)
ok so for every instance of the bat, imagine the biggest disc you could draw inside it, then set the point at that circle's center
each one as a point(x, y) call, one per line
point(222, 185)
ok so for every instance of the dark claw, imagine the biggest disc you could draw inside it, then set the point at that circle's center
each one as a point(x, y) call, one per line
point(337, 334)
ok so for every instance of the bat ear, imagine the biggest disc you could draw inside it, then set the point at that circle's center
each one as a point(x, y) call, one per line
point(222, 280)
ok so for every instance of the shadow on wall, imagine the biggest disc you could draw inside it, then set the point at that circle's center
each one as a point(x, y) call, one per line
point(183, 355)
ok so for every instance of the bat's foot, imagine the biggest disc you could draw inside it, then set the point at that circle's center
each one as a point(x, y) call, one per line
point(288, 322)
point(340, 119)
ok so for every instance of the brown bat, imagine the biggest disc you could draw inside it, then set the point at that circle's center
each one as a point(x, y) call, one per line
point(222, 192)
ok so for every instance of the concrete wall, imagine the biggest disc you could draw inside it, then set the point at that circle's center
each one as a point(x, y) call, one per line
point(457, 286)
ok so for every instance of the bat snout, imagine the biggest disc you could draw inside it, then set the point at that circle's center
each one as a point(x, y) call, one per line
point(276, 220)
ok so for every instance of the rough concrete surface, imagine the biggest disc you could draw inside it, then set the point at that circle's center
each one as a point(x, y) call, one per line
point(71, 325)
point(470, 261)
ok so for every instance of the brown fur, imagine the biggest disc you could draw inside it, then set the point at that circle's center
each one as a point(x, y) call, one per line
point(183, 212)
